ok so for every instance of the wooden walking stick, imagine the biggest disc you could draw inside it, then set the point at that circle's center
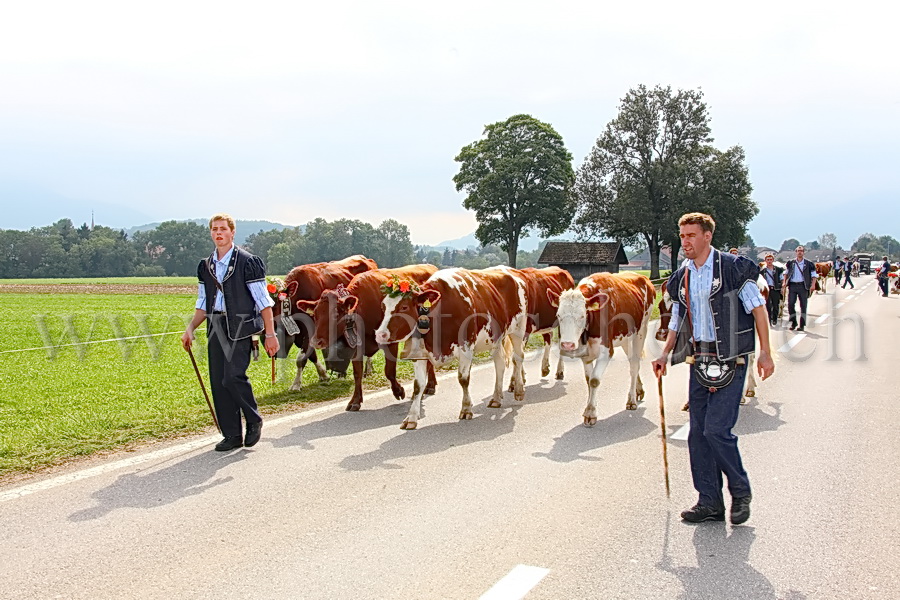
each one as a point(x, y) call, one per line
point(203, 387)
point(662, 424)
point(273, 370)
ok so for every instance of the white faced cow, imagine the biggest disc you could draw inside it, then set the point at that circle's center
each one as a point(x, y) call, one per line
point(605, 310)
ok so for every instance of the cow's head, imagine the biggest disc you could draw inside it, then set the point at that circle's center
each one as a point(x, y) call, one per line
point(573, 308)
point(402, 312)
point(281, 293)
point(329, 313)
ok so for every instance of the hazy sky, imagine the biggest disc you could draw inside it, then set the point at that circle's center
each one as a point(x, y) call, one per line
point(288, 111)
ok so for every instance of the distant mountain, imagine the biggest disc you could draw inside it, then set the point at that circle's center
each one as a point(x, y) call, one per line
point(243, 228)
point(528, 244)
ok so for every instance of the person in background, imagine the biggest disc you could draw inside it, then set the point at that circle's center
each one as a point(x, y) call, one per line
point(883, 275)
point(838, 267)
point(232, 299)
point(801, 275)
point(773, 276)
point(847, 270)
point(733, 251)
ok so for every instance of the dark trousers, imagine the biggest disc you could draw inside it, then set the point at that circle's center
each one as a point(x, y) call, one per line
point(773, 304)
point(231, 390)
point(848, 280)
point(837, 276)
point(711, 444)
point(883, 284)
point(795, 291)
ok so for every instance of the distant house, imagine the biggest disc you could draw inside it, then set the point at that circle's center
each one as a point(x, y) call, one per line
point(581, 259)
point(641, 261)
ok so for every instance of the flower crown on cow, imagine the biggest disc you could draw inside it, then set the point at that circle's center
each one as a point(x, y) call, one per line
point(276, 287)
point(399, 288)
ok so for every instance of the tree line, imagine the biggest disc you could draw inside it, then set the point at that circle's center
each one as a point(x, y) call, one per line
point(174, 248)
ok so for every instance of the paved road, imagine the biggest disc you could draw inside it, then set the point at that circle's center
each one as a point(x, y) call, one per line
point(346, 505)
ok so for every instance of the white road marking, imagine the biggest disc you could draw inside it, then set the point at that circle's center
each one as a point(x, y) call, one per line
point(838, 305)
point(793, 342)
point(821, 319)
point(682, 433)
point(516, 584)
point(53, 482)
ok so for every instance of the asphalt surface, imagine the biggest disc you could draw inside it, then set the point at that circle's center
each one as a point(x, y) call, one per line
point(333, 504)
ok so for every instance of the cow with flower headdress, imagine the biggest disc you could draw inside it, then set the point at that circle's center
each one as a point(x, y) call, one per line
point(307, 282)
point(456, 313)
point(350, 315)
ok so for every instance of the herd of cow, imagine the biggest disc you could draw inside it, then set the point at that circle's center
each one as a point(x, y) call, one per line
point(352, 308)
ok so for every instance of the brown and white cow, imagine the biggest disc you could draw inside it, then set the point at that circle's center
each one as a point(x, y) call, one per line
point(457, 313)
point(605, 310)
point(541, 313)
point(307, 282)
point(823, 270)
point(360, 308)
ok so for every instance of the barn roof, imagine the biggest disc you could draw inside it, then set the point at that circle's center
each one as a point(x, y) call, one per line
point(583, 253)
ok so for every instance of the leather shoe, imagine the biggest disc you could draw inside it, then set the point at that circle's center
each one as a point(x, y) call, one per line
point(740, 510)
point(700, 512)
point(229, 443)
point(254, 431)
point(793, 326)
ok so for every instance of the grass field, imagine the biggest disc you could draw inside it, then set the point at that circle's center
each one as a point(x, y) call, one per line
point(66, 391)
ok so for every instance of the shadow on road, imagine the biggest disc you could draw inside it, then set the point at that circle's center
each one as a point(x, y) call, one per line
point(757, 418)
point(620, 427)
point(487, 424)
point(723, 565)
point(162, 486)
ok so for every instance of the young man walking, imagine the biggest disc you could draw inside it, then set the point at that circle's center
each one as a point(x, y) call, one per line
point(232, 299)
point(717, 306)
point(799, 275)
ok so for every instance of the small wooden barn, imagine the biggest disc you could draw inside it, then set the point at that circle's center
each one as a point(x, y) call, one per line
point(581, 259)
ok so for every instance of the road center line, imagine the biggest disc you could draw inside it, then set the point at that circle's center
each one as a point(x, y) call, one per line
point(821, 319)
point(838, 305)
point(516, 583)
point(682, 433)
point(791, 343)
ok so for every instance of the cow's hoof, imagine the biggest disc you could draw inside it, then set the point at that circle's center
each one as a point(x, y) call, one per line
point(743, 400)
point(354, 406)
point(686, 407)
point(520, 397)
point(559, 375)
point(408, 425)
point(465, 415)
point(631, 406)
point(545, 371)
point(491, 404)
point(590, 421)
point(751, 393)
point(399, 392)
point(640, 395)
point(429, 390)
point(294, 388)
point(511, 388)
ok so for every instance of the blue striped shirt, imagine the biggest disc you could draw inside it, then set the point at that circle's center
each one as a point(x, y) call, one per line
point(257, 288)
point(700, 286)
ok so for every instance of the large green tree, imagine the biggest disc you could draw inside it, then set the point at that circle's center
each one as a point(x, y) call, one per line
point(517, 178)
point(392, 246)
point(641, 172)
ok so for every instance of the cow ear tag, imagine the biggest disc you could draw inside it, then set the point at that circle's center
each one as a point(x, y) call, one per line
point(427, 303)
point(594, 306)
point(310, 311)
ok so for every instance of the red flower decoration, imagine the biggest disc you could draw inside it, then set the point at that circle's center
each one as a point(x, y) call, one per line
point(271, 288)
point(404, 286)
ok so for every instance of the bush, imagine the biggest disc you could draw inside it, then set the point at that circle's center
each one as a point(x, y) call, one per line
point(149, 271)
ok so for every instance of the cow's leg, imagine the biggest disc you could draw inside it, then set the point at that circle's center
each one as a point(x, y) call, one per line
point(559, 364)
point(431, 386)
point(751, 380)
point(356, 399)
point(368, 369)
point(545, 360)
point(498, 354)
point(634, 367)
point(593, 372)
point(302, 356)
point(390, 370)
point(518, 345)
point(462, 373)
point(415, 408)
